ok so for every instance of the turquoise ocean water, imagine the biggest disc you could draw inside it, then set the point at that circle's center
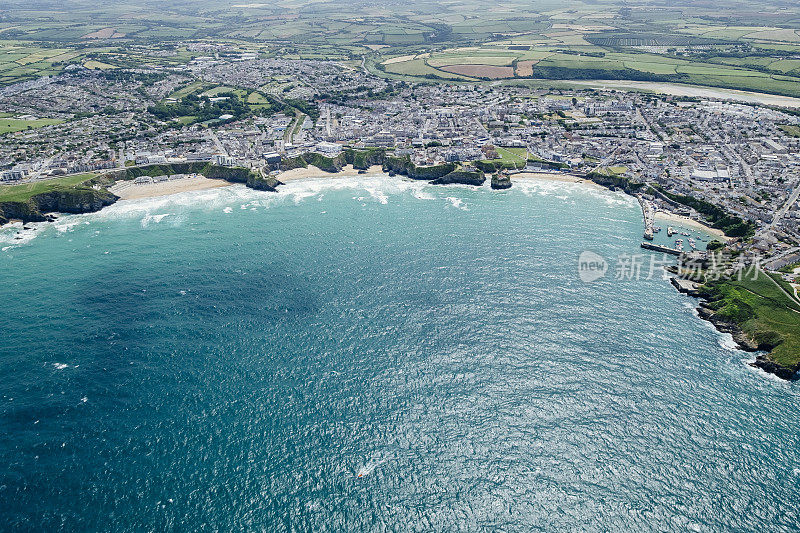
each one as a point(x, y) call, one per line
point(373, 354)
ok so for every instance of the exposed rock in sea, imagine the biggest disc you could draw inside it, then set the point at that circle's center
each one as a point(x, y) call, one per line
point(462, 177)
point(501, 181)
point(739, 337)
point(767, 365)
point(261, 183)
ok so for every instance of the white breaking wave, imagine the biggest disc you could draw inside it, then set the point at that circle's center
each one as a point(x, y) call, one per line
point(458, 203)
point(153, 218)
point(154, 210)
point(369, 468)
point(15, 234)
point(559, 188)
point(379, 188)
point(725, 340)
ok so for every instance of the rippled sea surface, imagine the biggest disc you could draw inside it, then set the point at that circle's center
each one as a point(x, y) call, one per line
point(373, 354)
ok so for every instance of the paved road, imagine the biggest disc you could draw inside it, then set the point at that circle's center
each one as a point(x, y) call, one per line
point(780, 213)
point(791, 297)
point(217, 143)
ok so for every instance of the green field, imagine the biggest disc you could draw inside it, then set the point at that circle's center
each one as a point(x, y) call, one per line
point(511, 155)
point(196, 86)
point(8, 125)
point(21, 193)
point(20, 60)
point(764, 312)
point(551, 61)
point(706, 44)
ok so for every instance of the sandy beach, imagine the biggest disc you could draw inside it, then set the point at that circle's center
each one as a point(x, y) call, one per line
point(127, 190)
point(552, 176)
point(687, 222)
point(314, 172)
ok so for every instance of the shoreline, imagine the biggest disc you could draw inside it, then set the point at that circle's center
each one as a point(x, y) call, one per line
point(311, 171)
point(561, 177)
point(692, 223)
point(127, 190)
point(743, 341)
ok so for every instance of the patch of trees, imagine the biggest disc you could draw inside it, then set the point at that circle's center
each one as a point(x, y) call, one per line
point(565, 73)
point(202, 108)
point(731, 225)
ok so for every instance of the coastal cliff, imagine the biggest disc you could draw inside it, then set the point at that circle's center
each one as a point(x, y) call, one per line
point(463, 177)
point(501, 181)
point(441, 174)
point(727, 326)
point(614, 182)
point(328, 164)
point(74, 200)
point(229, 174)
point(242, 175)
point(92, 195)
point(758, 316)
point(745, 342)
point(364, 159)
point(404, 167)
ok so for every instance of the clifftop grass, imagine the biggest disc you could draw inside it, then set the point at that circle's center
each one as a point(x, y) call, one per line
point(763, 311)
point(25, 191)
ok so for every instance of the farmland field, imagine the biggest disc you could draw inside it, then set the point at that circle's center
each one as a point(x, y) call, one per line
point(481, 71)
point(450, 41)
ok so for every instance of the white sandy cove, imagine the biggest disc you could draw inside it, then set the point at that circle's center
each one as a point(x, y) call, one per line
point(690, 223)
point(553, 176)
point(127, 190)
point(314, 172)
